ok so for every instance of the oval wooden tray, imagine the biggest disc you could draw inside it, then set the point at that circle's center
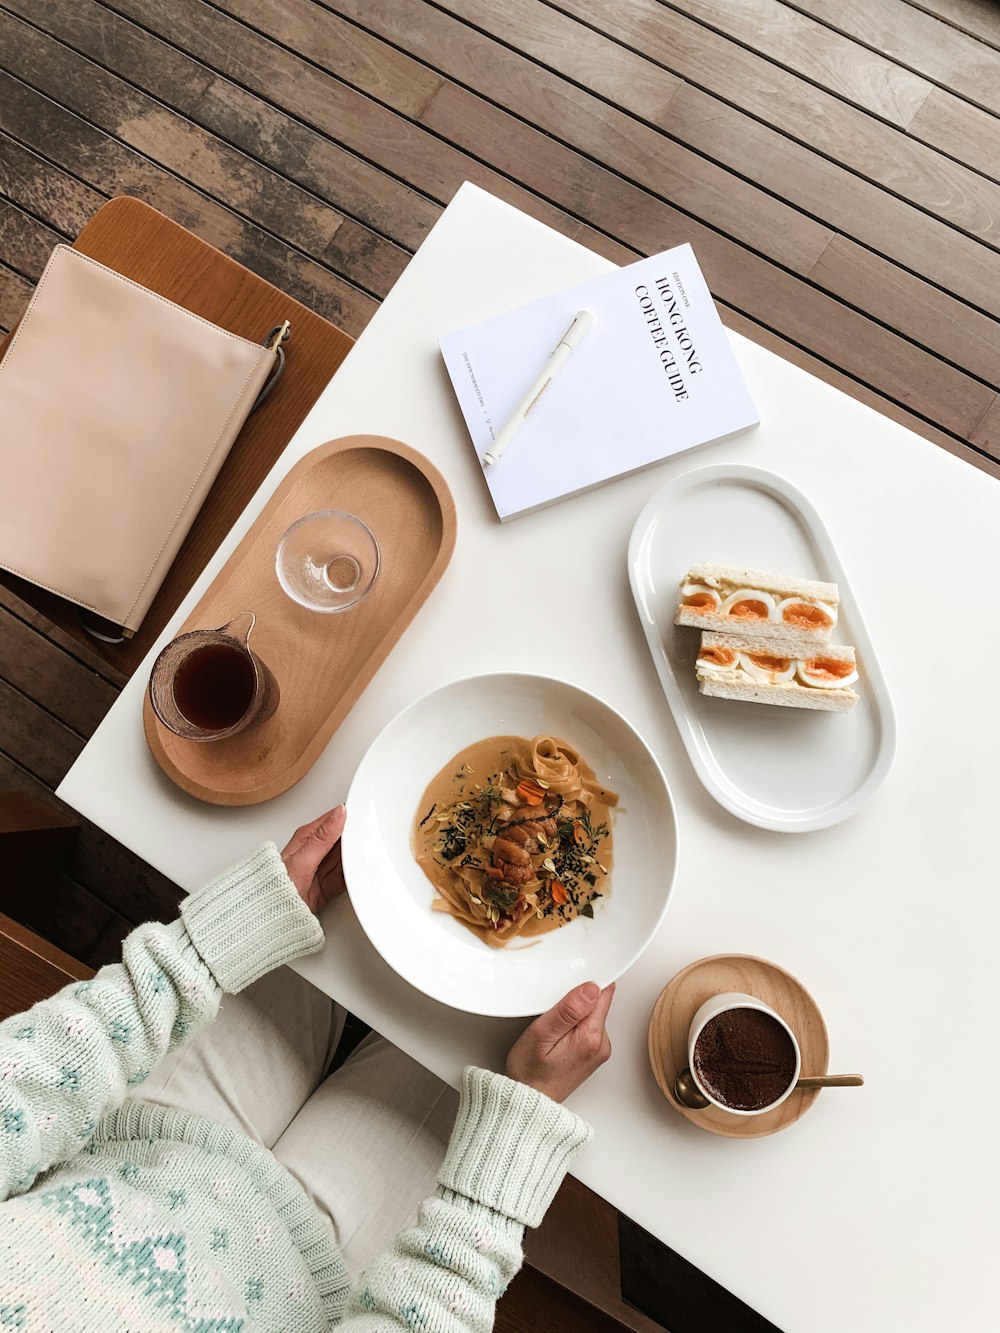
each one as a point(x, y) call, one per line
point(688, 990)
point(322, 663)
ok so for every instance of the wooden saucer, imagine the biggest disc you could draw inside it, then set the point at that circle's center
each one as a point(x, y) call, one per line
point(688, 990)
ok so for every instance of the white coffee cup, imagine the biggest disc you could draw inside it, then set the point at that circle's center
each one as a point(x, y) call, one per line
point(719, 1004)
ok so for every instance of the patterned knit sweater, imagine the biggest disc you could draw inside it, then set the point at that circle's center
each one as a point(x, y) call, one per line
point(116, 1214)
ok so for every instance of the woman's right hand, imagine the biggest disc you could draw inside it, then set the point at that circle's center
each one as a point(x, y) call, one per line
point(563, 1047)
point(312, 859)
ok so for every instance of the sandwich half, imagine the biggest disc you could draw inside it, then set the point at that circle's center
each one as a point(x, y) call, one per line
point(761, 671)
point(796, 613)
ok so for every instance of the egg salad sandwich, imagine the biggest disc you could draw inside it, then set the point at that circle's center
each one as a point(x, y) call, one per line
point(795, 614)
point(762, 671)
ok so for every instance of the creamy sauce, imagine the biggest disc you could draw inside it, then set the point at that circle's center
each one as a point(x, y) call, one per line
point(473, 815)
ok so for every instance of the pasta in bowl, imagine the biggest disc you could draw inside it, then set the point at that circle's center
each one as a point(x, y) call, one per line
point(516, 838)
point(604, 814)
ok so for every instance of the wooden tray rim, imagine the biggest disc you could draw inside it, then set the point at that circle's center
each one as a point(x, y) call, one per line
point(275, 786)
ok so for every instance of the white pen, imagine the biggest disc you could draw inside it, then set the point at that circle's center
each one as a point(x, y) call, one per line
point(560, 355)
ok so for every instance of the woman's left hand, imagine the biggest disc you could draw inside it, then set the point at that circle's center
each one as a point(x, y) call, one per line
point(312, 859)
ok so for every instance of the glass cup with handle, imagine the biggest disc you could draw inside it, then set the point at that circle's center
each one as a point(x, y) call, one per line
point(209, 684)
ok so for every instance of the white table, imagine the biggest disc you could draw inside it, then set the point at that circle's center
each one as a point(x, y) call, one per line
point(878, 1210)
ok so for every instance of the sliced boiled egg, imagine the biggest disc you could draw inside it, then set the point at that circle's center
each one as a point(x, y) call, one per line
point(768, 667)
point(718, 659)
point(826, 673)
point(699, 597)
point(806, 614)
point(748, 604)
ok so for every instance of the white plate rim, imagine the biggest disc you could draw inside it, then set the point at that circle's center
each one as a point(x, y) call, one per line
point(361, 906)
point(833, 571)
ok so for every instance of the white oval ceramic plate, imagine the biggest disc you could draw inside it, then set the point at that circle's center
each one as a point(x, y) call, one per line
point(779, 768)
point(392, 897)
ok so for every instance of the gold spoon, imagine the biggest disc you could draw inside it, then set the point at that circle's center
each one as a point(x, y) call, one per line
point(687, 1093)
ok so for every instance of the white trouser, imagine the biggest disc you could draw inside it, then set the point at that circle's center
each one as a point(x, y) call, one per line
point(365, 1143)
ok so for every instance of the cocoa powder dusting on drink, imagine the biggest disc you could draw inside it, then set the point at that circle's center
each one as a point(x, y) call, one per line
point(744, 1058)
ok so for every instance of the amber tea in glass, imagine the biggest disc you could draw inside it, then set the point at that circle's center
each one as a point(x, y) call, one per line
point(209, 684)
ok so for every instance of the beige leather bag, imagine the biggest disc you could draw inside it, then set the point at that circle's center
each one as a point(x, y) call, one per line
point(117, 409)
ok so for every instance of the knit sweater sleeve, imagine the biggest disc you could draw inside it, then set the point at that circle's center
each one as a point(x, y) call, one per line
point(73, 1058)
point(509, 1150)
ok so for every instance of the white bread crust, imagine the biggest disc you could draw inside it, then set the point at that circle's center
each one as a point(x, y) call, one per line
point(718, 685)
point(837, 652)
point(792, 640)
point(735, 577)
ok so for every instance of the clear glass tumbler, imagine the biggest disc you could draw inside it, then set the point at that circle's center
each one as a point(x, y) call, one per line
point(328, 561)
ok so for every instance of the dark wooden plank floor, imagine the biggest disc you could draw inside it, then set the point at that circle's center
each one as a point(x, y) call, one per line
point(835, 163)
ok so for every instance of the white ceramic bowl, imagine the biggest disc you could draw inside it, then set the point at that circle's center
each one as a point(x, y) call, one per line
point(392, 896)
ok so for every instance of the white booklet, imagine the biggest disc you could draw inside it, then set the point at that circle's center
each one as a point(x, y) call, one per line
point(655, 375)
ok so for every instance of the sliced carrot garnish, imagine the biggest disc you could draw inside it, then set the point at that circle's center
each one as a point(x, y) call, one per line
point(530, 792)
point(559, 894)
point(579, 833)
